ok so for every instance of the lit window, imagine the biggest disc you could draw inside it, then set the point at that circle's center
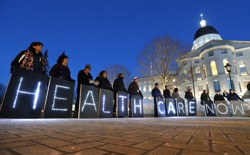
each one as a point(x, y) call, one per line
point(239, 54)
point(150, 98)
point(198, 73)
point(243, 69)
point(149, 88)
point(205, 71)
point(225, 62)
point(144, 88)
point(213, 68)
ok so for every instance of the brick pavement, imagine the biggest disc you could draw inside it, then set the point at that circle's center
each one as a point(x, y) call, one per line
point(152, 136)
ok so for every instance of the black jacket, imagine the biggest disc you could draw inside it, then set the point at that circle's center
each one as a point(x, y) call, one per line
point(204, 97)
point(119, 85)
point(133, 89)
point(189, 95)
point(84, 78)
point(166, 93)
point(156, 93)
point(219, 98)
point(38, 65)
point(233, 97)
point(104, 83)
point(61, 72)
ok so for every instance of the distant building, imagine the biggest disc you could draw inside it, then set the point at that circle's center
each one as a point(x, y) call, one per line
point(209, 54)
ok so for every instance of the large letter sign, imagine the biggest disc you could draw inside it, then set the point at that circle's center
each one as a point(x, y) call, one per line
point(238, 109)
point(122, 98)
point(181, 109)
point(59, 98)
point(209, 108)
point(136, 106)
point(88, 106)
point(25, 95)
point(171, 108)
point(192, 110)
point(222, 109)
point(161, 109)
point(106, 103)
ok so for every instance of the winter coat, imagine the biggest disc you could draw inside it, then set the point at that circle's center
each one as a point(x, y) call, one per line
point(233, 97)
point(166, 93)
point(156, 93)
point(133, 89)
point(219, 98)
point(61, 71)
point(205, 97)
point(104, 83)
point(119, 85)
point(29, 60)
point(84, 78)
point(189, 95)
point(176, 95)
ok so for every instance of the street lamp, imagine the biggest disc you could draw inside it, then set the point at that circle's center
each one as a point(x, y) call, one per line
point(228, 68)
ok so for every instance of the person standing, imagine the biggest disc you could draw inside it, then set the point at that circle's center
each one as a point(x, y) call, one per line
point(104, 83)
point(205, 97)
point(156, 93)
point(84, 78)
point(175, 94)
point(61, 69)
point(31, 59)
point(189, 95)
point(118, 86)
point(218, 97)
point(133, 89)
point(166, 92)
point(232, 96)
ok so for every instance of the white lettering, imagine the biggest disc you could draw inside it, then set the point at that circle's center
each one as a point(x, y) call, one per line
point(159, 107)
point(171, 107)
point(122, 97)
point(218, 109)
point(137, 106)
point(89, 103)
point(58, 98)
point(103, 105)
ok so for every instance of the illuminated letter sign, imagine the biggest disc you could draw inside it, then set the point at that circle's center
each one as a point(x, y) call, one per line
point(192, 108)
point(136, 106)
point(161, 109)
point(181, 111)
point(237, 108)
point(222, 109)
point(25, 95)
point(122, 99)
point(88, 102)
point(106, 103)
point(59, 98)
point(209, 108)
point(171, 110)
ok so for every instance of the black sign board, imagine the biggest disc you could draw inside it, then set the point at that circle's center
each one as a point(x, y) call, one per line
point(88, 106)
point(192, 110)
point(137, 106)
point(122, 98)
point(222, 108)
point(161, 109)
point(181, 108)
point(106, 103)
point(238, 109)
point(171, 107)
point(209, 108)
point(25, 95)
point(59, 98)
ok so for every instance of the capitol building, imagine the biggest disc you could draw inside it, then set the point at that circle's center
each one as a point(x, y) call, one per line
point(208, 57)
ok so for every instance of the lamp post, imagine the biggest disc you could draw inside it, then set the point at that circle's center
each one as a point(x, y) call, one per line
point(228, 68)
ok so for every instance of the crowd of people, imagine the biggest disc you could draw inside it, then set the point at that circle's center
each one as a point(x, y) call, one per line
point(32, 59)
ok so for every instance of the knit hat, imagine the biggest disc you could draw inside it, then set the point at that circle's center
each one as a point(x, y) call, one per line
point(87, 66)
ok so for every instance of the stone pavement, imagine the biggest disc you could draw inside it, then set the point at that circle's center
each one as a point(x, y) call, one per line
point(152, 136)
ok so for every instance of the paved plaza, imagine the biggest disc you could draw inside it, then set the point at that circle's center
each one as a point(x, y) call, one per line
point(170, 135)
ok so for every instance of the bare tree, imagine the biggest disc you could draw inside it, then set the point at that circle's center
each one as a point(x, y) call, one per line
point(158, 61)
point(114, 70)
point(2, 91)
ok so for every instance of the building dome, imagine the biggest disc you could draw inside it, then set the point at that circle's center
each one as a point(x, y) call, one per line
point(205, 30)
point(204, 34)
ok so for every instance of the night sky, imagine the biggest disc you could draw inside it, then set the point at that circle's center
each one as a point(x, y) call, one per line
point(104, 32)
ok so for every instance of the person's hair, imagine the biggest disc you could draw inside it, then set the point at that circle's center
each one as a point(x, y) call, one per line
point(156, 84)
point(102, 72)
point(35, 44)
point(119, 75)
point(189, 90)
point(61, 58)
point(204, 91)
point(176, 90)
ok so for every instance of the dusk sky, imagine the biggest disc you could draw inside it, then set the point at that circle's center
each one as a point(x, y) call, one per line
point(104, 32)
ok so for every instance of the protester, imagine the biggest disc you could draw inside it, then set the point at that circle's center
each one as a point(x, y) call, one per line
point(232, 96)
point(104, 83)
point(166, 92)
point(189, 95)
point(175, 94)
point(31, 59)
point(61, 69)
point(204, 97)
point(218, 97)
point(156, 93)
